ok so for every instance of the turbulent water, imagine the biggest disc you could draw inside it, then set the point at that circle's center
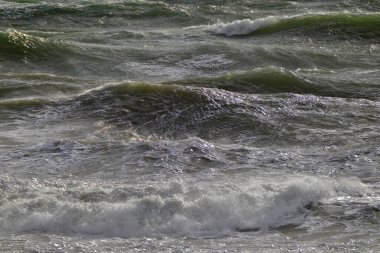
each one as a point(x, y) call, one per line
point(189, 126)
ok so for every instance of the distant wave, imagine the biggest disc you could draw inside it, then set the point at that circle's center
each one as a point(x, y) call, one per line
point(129, 9)
point(26, 45)
point(366, 25)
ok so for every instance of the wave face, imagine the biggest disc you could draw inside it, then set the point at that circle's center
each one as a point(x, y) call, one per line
point(175, 209)
point(168, 111)
point(364, 25)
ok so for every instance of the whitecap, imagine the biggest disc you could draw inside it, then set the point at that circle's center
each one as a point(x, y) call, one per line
point(242, 27)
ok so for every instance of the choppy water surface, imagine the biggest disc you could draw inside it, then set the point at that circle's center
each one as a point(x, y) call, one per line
point(189, 126)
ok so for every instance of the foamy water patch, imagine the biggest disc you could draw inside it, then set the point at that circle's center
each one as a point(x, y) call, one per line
point(176, 209)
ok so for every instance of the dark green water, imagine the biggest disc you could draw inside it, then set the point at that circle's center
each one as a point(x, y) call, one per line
point(189, 126)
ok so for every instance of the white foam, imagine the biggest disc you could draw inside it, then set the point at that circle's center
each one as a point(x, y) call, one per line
point(243, 27)
point(176, 209)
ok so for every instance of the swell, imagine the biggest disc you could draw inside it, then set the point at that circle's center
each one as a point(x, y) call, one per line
point(209, 112)
point(128, 9)
point(272, 80)
point(17, 89)
point(347, 24)
point(190, 93)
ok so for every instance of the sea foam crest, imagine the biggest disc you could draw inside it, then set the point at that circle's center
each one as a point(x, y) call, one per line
point(243, 27)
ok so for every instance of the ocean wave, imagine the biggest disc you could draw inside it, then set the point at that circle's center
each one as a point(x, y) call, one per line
point(176, 112)
point(176, 209)
point(365, 25)
point(173, 111)
point(228, 89)
point(163, 111)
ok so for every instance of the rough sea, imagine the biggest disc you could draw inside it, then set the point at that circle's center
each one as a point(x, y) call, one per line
point(190, 126)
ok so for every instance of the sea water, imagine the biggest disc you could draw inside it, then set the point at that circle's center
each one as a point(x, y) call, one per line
point(189, 126)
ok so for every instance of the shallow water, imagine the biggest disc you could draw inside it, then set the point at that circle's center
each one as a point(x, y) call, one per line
point(186, 126)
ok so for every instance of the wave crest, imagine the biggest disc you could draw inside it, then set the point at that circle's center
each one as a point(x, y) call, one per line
point(17, 42)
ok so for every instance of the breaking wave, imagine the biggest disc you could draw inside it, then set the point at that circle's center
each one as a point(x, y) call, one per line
point(175, 209)
point(364, 25)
